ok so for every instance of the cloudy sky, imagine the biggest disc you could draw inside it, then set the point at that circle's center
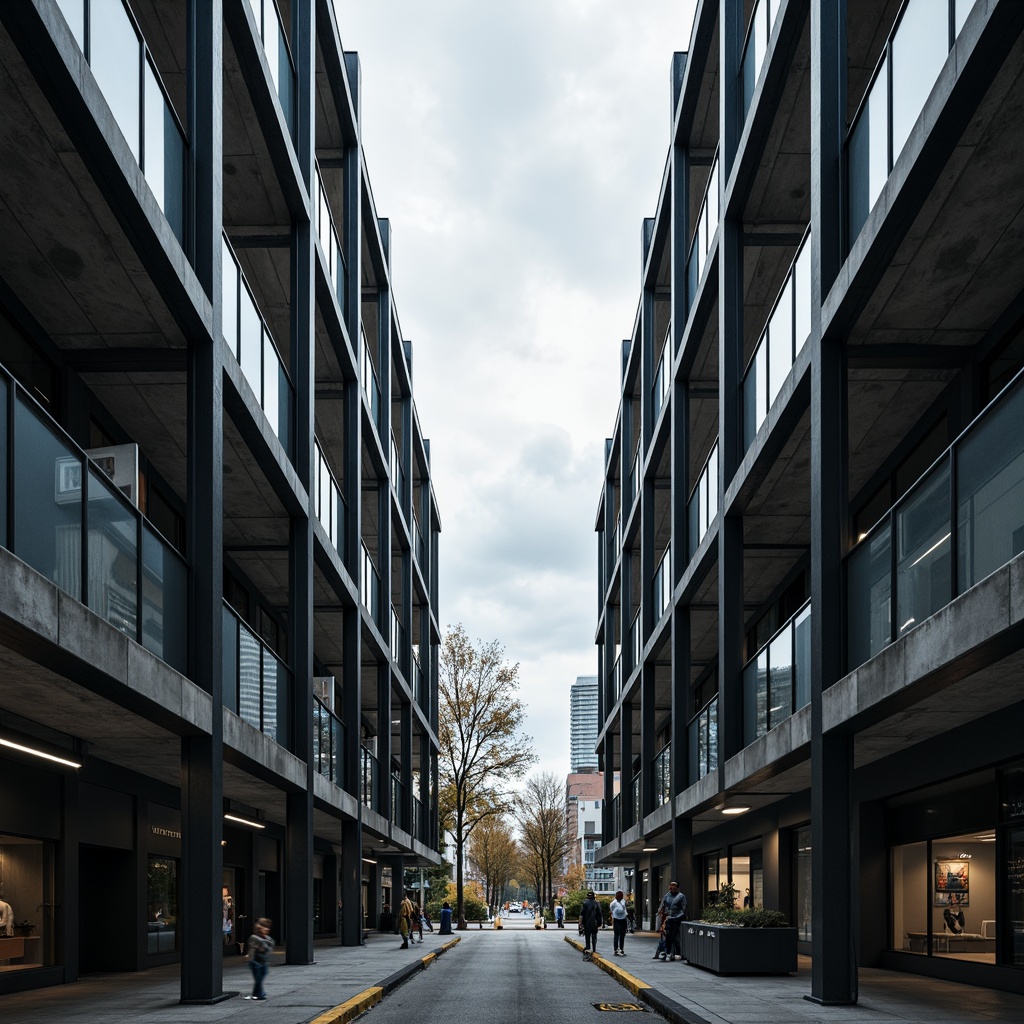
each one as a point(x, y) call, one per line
point(516, 148)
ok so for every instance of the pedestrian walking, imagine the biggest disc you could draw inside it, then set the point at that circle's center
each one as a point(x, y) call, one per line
point(257, 953)
point(445, 927)
point(425, 919)
point(673, 907)
point(560, 914)
point(620, 918)
point(405, 921)
point(590, 922)
point(630, 917)
point(417, 921)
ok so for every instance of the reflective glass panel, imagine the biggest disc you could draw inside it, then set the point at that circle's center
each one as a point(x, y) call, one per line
point(229, 659)
point(961, 9)
point(712, 472)
point(250, 341)
point(3, 463)
point(919, 49)
point(868, 153)
point(113, 557)
point(712, 201)
point(750, 703)
point(270, 383)
point(923, 583)
point(248, 677)
point(990, 492)
point(761, 395)
point(780, 656)
point(162, 905)
point(47, 502)
point(1014, 929)
point(802, 295)
point(164, 601)
point(271, 33)
point(869, 585)
point(271, 670)
point(780, 342)
point(750, 405)
point(229, 298)
point(802, 659)
point(713, 735)
point(114, 54)
point(153, 157)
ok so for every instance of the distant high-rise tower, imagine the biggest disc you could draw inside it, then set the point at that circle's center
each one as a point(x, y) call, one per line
point(583, 724)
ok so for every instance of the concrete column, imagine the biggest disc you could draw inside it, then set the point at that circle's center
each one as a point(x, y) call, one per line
point(350, 924)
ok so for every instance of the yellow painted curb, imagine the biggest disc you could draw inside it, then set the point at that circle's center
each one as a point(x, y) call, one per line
point(624, 978)
point(428, 959)
point(351, 1008)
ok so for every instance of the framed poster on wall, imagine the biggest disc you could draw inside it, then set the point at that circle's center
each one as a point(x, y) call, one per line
point(952, 883)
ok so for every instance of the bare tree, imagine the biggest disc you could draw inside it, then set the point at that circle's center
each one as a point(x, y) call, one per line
point(541, 808)
point(481, 750)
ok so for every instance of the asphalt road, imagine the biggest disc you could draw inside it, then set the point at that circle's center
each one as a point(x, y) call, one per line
point(513, 976)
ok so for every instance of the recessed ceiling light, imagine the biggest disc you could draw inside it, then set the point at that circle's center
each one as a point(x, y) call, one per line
point(735, 810)
point(650, 849)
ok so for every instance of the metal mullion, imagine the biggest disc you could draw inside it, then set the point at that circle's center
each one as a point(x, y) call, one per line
point(83, 594)
point(954, 540)
point(141, 46)
point(11, 396)
point(87, 31)
point(139, 564)
point(893, 596)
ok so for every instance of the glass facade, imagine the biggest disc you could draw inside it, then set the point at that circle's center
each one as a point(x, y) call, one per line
point(27, 903)
point(162, 906)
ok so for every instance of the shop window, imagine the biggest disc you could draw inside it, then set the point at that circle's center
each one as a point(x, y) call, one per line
point(26, 904)
point(162, 906)
point(1014, 927)
point(944, 897)
point(748, 874)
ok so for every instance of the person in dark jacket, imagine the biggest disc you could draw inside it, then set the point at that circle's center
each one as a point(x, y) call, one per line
point(590, 921)
point(446, 919)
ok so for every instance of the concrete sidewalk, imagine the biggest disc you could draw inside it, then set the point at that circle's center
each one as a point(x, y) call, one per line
point(297, 994)
point(689, 994)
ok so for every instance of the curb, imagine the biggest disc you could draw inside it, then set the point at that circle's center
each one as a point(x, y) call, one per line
point(667, 1007)
point(347, 1011)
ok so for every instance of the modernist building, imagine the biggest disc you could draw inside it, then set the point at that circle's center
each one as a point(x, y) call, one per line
point(218, 633)
point(811, 630)
point(583, 724)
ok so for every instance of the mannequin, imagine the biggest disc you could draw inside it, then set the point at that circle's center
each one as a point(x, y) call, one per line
point(6, 919)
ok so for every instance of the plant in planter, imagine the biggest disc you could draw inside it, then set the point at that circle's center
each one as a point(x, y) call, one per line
point(24, 927)
point(728, 940)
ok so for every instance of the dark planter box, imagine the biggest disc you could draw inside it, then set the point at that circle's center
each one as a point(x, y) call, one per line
point(726, 950)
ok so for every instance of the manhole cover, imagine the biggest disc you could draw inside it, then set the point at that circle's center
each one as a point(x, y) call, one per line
point(621, 1007)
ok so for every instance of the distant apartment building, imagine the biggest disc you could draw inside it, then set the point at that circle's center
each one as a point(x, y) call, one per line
point(584, 802)
point(583, 724)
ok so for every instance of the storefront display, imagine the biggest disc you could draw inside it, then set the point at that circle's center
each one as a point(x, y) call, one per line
point(26, 903)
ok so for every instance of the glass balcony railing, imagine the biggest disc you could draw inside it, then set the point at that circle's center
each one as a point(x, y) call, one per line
point(617, 677)
point(959, 523)
point(703, 737)
point(417, 820)
point(369, 784)
point(252, 344)
point(914, 53)
point(256, 681)
point(397, 470)
point(275, 45)
point(369, 585)
point(636, 641)
point(108, 35)
point(71, 524)
point(337, 268)
point(328, 502)
point(615, 824)
point(659, 390)
point(777, 680)
point(399, 645)
point(662, 766)
point(637, 790)
point(397, 802)
point(328, 744)
point(781, 341)
point(635, 478)
point(662, 588)
point(368, 378)
point(419, 547)
point(703, 235)
point(702, 508)
point(755, 48)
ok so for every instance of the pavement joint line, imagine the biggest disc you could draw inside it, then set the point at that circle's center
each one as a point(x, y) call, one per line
point(665, 1005)
point(347, 1011)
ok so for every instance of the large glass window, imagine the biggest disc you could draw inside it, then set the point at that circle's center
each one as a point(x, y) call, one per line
point(26, 904)
point(944, 897)
point(162, 906)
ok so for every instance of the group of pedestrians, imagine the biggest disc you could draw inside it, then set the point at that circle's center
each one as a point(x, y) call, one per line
point(671, 914)
point(412, 918)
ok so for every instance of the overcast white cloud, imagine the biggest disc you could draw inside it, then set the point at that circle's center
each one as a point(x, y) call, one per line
point(515, 149)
